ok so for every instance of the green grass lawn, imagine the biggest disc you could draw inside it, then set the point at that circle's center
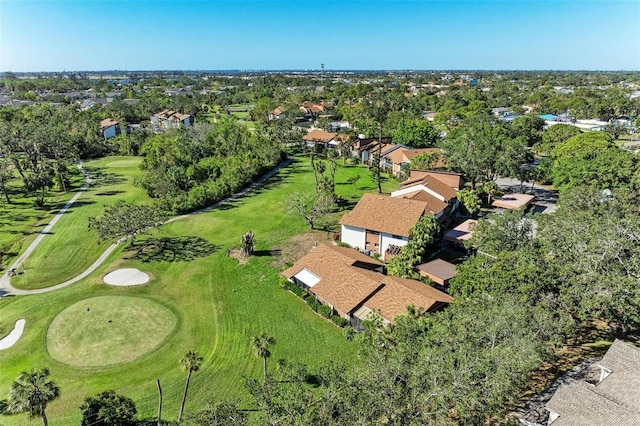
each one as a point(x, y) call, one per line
point(218, 303)
point(108, 330)
point(20, 220)
point(70, 249)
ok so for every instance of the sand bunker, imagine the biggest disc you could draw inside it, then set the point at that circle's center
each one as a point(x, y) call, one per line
point(11, 338)
point(126, 276)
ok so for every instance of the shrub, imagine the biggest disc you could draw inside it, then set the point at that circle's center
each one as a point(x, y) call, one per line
point(325, 311)
point(339, 321)
point(349, 333)
point(296, 290)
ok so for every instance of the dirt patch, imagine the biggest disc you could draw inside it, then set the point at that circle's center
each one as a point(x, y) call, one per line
point(297, 246)
point(235, 253)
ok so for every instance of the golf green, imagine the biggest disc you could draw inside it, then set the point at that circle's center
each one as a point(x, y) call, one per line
point(108, 330)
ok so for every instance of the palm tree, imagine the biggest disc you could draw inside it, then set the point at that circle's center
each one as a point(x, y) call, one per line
point(190, 362)
point(261, 346)
point(31, 392)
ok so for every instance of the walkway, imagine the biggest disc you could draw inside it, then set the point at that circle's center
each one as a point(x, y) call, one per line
point(5, 281)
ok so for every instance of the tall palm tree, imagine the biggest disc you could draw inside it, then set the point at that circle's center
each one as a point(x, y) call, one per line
point(261, 346)
point(31, 392)
point(190, 362)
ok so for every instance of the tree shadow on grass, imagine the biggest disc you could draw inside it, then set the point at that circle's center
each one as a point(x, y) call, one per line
point(260, 253)
point(100, 177)
point(171, 249)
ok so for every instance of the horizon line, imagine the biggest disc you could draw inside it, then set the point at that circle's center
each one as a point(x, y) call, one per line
point(317, 71)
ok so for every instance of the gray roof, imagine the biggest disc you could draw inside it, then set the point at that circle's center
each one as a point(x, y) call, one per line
point(581, 404)
point(614, 401)
point(621, 356)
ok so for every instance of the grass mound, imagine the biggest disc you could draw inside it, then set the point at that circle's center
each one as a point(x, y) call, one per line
point(108, 330)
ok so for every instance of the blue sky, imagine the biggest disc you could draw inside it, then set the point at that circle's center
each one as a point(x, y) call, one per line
point(302, 34)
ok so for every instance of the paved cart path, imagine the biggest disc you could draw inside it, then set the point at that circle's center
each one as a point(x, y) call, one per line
point(5, 281)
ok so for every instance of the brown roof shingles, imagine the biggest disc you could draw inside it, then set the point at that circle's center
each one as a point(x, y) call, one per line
point(107, 122)
point(398, 293)
point(385, 214)
point(439, 268)
point(433, 184)
point(434, 205)
point(318, 135)
point(346, 286)
point(342, 285)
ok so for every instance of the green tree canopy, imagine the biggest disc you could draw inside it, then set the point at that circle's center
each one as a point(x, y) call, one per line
point(108, 409)
point(416, 133)
point(126, 219)
point(31, 392)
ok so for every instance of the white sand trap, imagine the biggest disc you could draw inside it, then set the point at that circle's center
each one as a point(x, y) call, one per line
point(11, 338)
point(126, 276)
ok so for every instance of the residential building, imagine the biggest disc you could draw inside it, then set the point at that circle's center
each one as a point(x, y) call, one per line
point(442, 198)
point(454, 180)
point(461, 233)
point(109, 128)
point(613, 400)
point(379, 223)
point(169, 119)
point(320, 138)
point(513, 201)
point(352, 284)
point(439, 271)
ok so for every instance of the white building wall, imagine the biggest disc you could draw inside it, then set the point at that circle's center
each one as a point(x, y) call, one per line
point(388, 239)
point(415, 188)
point(353, 236)
point(110, 132)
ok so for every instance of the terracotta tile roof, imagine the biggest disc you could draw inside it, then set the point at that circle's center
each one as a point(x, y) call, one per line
point(278, 111)
point(438, 268)
point(433, 205)
point(398, 293)
point(107, 122)
point(318, 135)
point(385, 214)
